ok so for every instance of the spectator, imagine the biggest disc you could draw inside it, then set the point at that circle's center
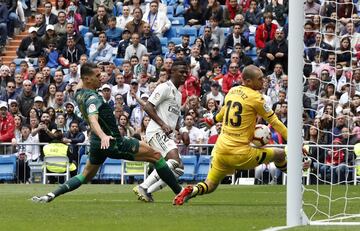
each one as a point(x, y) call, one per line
point(4, 11)
point(59, 105)
point(124, 18)
point(113, 33)
point(217, 31)
point(215, 94)
point(98, 24)
point(136, 25)
point(60, 26)
point(102, 51)
point(278, 11)
point(215, 10)
point(26, 98)
point(185, 41)
point(70, 32)
point(244, 28)
point(123, 44)
point(30, 46)
point(276, 51)
point(311, 7)
point(209, 39)
point(59, 80)
point(158, 21)
point(50, 17)
point(232, 9)
point(344, 53)
point(265, 32)
point(233, 77)
point(129, 98)
point(253, 14)
point(49, 98)
point(136, 48)
point(7, 128)
point(194, 15)
point(73, 76)
point(124, 121)
point(73, 137)
point(12, 17)
point(195, 134)
point(191, 88)
point(10, 92)
point(144, 68)
point(106, 94)
point(243, 60)
point(108, 5)
point(138, 113)
point(127, 71)
point(151, 42)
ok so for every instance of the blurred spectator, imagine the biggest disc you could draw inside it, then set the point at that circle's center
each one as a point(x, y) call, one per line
point(279, 12)
point(102, 51)
point(232, 77)
point(311, 7)
point(26, 98)
point(185, 41)
point(265, 32)
point(195, 134)
point(113, 33)
point(215, 94)
point(10, 92)
point(60, 26)
point(72, 16)
point(194, 15)
point(214, 9)
point(144, 68)
point(123, 44)
point(124, 121)
point(4, 11)
point(209, 39)
point(253, 14)
point(151, 42)
point(73, 137)
point(50, 17)
point(198, 65)
point(7, 128)
point(136, 48)
point(30, 46)
point(232, 9)
point(136, 25)
point(157, 20)
point(40, 88)
point(138, 112)
point(108, 5)
point(124, 18)
point(276, 51)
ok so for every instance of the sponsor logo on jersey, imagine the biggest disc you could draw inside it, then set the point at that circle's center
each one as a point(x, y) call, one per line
point(92, 108)
point(174, 109)
point(266, 107)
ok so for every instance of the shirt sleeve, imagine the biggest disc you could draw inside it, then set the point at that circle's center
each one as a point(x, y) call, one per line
point(93, 104)
point(265, 111)
point(159, 95)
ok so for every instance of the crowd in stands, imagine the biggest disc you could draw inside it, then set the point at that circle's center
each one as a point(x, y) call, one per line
point(135, 43)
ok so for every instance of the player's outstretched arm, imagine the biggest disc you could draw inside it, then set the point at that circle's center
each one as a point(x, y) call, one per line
point(150, 110)
point(95, 127)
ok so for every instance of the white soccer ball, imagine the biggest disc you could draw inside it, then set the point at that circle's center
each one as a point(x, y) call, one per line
point(262, 135)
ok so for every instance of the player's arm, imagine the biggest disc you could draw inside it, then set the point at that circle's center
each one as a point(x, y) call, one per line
point(95, 127)
point(269, 115)
point(151, 111)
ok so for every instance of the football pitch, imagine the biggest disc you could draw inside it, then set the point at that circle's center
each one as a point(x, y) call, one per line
point(115, 207)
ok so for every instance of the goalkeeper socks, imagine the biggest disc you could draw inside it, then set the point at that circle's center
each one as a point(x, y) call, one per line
point(70, 185)
point(167, 175)
point(200, 189)
point(282, 165)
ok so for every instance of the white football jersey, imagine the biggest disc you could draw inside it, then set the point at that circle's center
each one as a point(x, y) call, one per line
point(167, 101)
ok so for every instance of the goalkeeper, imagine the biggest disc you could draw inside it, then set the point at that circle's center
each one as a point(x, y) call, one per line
point(232, 150)
point(106, 140)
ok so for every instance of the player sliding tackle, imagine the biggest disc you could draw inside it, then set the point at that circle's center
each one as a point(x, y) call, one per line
point(232, 150)
point(163, 107)
point(106, 140)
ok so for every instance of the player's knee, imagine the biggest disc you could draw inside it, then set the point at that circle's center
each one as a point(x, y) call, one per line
point(175, 167)
point(156, 155)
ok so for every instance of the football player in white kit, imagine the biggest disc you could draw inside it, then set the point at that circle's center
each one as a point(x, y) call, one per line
point(163, 107)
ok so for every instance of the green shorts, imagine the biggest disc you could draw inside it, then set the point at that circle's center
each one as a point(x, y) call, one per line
point(120, 148)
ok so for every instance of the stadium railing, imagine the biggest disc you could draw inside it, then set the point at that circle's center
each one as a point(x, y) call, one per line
point(199, 150)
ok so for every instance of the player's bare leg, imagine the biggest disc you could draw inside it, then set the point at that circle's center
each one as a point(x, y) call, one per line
point(73, 183)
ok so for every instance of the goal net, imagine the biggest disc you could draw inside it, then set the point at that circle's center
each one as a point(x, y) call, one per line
point(331, 116)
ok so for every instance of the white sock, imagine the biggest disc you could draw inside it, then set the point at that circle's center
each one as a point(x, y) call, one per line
point(151, 179)
point(160, 184)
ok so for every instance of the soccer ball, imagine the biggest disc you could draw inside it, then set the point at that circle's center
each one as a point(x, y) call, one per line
point(262, 135)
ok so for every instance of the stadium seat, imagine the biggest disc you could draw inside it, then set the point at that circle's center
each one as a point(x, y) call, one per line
point(202, 167)
point(192, 40)
point(163, 41)
point(226, 30)
point(118, 61)
point(170, 10)
point(176, 40)
point(178, 21)
point(201, 30)
point(95, 40)
point(133, 168)
point(164, 50)
point(17, 61)
point(7, 167)
point(252, 52)
point(189, 167)
point(82, 163)
point(192, 31)
point(171, 32)
point(252, 39)
point(56, 160)
point(111, 170)
point(83, 30)
point(179, 11)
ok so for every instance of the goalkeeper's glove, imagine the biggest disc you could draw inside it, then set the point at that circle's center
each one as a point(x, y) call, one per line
point(208, 120)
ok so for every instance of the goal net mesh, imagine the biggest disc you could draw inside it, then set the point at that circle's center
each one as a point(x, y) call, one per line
point(331, 100)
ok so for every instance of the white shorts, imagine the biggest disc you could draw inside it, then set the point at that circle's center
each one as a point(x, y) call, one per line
point(161, 142)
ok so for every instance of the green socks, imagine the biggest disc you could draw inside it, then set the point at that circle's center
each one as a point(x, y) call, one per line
point(70, 185)
point(167, 175)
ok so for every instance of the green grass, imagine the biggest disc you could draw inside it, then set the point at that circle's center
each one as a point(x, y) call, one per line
point(115, 207)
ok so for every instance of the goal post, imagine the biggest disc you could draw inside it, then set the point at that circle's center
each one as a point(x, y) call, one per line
point(295, 71)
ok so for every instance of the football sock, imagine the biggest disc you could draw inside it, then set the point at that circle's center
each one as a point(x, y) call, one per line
point(150, 180)
point(70, 185)
point(160, 184)
point(167, 175)
point(200, 189)
point(282, 165)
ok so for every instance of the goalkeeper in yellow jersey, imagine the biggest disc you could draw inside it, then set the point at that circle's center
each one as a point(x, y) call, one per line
point(232, 150)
